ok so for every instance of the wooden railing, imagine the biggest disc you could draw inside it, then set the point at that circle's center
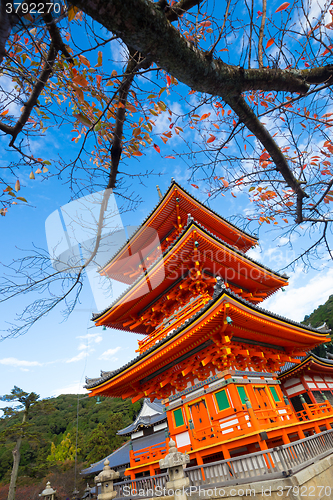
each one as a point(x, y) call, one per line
point(313, 411)
point(279, 462)
point(149, 454)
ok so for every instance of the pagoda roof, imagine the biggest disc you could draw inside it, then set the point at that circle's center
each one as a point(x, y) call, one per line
point(256, 326)
point(311, 362)
point(160, 222)
point(140, 295)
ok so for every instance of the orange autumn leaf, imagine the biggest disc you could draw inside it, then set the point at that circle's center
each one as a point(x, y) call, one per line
point(84, 61)
point(282, 7)
point(99, 59)
point(195, 186)
point(211, 138)
point(206, 115)
point(157, 148)
point(80, 80)
point(269, 43)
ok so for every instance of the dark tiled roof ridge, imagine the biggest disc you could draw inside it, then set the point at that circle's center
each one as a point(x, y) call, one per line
point(191, 320)
point(155, 207)
point(191, 221)
point(304, 360)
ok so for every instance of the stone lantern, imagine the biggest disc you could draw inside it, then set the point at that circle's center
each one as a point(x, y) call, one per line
point(48, 493)
point(175, 461)
point(106, 478)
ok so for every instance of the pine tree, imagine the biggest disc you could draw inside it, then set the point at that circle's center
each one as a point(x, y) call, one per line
point(18, 431)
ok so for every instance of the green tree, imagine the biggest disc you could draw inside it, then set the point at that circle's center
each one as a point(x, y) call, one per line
point(17, 432)
point(104, 440)
point(64, 451)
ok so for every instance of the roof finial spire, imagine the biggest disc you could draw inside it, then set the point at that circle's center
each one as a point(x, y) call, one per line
point(159, 192)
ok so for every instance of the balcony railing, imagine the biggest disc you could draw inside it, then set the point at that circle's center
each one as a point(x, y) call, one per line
point(279, 462)
point(149, 454)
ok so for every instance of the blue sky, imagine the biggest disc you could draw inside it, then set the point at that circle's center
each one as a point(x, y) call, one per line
point(56, 354)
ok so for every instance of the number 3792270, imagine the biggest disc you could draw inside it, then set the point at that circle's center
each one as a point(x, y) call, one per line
point(33, 8)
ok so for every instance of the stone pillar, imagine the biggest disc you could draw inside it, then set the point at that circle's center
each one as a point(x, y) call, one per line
point(174, 461)
point(48, 493)
point(105, 478)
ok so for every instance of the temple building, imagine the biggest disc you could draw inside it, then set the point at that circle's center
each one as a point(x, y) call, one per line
point(207, 351)
point(311, 379)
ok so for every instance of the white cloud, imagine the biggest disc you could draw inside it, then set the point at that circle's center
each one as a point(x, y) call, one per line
point(14, 362)
point(75, 388)
point(78, 357)
point(109, 353)
point(298, 301)
point(94, 337)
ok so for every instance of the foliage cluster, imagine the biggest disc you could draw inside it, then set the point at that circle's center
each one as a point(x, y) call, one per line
point(54, 421)
point(238, 93)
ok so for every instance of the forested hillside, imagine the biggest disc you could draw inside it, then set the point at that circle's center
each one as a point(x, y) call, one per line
point(50, 439)
point(323, 314)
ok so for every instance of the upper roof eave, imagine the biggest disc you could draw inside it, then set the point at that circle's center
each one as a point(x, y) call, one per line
point(174, 183)
point(96, 316)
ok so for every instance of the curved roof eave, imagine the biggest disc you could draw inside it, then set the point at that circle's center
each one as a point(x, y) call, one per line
point(96, 382)
point(248, 235)
point(191, 222)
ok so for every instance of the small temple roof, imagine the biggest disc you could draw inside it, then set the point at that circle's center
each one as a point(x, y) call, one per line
point(120, 458)
point(226, 295)
point(117, 458)
point(277, 280)
point(160, 220)
point(150, 414)
point(310, 362)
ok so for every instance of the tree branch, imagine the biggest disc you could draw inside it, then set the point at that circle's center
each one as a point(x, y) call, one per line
point(261, 34)
point(32, 101)
point(144, 27)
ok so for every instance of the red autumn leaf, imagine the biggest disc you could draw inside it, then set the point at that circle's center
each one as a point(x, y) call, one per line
point(84, 61)
point(229, 112)
point(205, 24)
point(80, 80)
point(269, 43)
point(98, 80)
point(157, 148)
point(195, 186)
point(211, 138)
point(326, 51)
point(206, 115)
point(173, 157)
point(168, 80)
point(282, 7)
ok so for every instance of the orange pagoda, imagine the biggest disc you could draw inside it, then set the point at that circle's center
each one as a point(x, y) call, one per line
point(208, 351)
